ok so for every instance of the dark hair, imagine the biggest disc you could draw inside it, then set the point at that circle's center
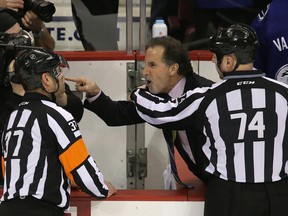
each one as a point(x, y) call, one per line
point(174, 52)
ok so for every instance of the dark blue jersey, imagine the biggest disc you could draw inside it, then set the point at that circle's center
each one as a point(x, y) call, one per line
point(272, 30)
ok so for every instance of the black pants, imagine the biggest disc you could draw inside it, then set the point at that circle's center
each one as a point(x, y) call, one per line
point(29, 207)
point(242, 199)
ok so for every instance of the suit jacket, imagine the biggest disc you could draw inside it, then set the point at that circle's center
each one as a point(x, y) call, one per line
point(119, 113)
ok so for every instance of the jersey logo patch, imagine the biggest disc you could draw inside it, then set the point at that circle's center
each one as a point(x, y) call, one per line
point(282, 74)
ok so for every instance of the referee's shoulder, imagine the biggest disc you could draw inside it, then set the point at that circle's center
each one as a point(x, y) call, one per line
point(57, 111)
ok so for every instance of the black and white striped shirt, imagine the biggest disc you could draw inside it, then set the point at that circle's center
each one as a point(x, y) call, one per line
point(44, 152)
point(241, 122)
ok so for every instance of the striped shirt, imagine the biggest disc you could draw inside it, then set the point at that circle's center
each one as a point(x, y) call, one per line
point(44, 152)
point(241, 124)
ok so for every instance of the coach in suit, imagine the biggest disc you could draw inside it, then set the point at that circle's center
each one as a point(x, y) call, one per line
point(168, 72)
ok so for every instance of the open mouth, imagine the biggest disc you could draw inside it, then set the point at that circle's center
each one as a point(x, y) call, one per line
point(147, 81)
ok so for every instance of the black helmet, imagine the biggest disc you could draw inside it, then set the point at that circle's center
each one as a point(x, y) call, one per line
point(32, 63)
point(239, 39)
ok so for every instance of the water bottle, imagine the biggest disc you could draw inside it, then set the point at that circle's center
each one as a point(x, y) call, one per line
point(159, 28)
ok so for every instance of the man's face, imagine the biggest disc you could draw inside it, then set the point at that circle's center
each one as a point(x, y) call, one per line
point(156, 73)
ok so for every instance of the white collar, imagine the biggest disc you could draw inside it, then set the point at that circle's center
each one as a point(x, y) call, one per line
point(178, 88)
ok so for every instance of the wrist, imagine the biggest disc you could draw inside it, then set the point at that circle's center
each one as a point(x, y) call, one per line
point(39, 33)
point(95, 91)
point(92, 97)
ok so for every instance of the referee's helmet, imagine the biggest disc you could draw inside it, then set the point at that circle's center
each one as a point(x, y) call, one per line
point(239, 39)
point(32, 63)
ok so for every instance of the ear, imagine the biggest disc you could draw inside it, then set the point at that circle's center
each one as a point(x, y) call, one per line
point(46, 80)
point(228, 63)
point(174, 68)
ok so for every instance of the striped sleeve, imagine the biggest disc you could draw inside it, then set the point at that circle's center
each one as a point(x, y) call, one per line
point(159, 111)
point(82, 170)
point(78, 165)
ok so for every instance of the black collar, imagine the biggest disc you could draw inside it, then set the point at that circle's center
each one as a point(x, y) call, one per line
point(244, 74)
point(35, 96)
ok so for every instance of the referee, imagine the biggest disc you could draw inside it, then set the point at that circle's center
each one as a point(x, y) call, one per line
point(43, 150)
point(242, 129)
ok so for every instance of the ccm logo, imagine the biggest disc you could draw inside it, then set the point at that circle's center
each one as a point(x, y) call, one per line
point(246, 83)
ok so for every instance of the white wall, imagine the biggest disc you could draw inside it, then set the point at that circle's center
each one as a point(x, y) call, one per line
point(147, 208)
point(144, 208)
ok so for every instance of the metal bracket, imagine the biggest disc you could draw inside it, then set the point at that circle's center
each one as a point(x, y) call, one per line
point(142, 163)
point(136, 168)
point(134, 72)
point(136, 151)
point(131, 163)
